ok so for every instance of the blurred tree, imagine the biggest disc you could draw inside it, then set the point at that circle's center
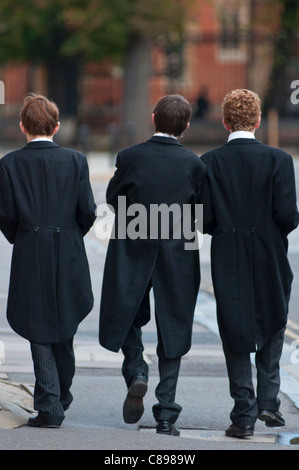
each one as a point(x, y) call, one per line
point(63, 34)
point(35, 31)
point(285, 40)
point(125, 31)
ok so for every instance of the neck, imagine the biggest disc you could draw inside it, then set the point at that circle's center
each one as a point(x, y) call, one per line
point(242, 130)
point(164, 134)
point(30, 138)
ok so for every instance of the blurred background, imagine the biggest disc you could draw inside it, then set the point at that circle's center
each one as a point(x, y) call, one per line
point(107, 62)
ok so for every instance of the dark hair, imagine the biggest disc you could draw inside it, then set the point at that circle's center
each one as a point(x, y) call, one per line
point(172, 114)
point(39, 115)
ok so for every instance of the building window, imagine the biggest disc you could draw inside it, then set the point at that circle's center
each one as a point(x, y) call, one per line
point(232, 45)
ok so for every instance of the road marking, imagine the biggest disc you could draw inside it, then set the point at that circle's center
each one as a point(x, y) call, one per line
point(93, 355)
point(291, 334)
point(291, 329)
point(293, 324)
point(259, 437)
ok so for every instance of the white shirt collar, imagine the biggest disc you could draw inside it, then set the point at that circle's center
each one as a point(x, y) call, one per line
point(241, 135)
point(38, 139)
point(161, 134)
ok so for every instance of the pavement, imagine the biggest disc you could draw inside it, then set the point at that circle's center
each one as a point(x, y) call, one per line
point(94, 420)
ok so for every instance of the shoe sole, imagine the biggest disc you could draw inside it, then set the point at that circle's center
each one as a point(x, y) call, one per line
point(133, 405)
point(171, 433)
point(138, 389)
point(271, 422)
point(43, 425)
point(241, 435)
point(50, 426)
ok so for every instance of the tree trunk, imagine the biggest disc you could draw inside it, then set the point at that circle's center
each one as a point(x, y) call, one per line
point(63, 90)
point(62, 85)
point(136, 111)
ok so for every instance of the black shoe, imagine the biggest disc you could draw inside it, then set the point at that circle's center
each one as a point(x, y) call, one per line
point(40, 422)
point(165, 427)
point(239, 431)
point(133, 405)
point(272, 419)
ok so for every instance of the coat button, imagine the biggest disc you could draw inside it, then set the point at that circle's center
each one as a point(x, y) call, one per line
point(36, 229)
point(233, 230)
point(253, 229)
point(58, 229)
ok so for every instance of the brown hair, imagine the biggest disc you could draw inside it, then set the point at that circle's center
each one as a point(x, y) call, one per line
point(241, 110)
point(39, 115)
point(172, 114)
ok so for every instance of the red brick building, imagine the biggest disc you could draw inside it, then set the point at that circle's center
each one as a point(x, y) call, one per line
point(220, 52)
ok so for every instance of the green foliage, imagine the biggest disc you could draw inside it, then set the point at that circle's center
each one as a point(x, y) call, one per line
point(97, 29)
point(37, 30)
point(30, 30)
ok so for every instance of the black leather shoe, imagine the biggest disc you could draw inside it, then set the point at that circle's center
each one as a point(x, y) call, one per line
point(239, 431)
point(133, 405)
point(39, 422)
point(272, 419)
point(165, 427)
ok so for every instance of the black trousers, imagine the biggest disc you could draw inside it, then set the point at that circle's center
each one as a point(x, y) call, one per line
point(54, 368)
point(247, 403)
point(166, 408)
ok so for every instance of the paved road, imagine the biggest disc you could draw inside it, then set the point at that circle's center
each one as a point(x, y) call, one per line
point(94, 420)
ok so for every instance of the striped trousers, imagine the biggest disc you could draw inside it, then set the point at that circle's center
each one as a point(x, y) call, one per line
point(247, 403)
point(166, 408)
point(54, 369)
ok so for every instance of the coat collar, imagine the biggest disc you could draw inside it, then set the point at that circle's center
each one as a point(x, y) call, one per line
point(41, 144)
point(164, 140)
point(242, 141)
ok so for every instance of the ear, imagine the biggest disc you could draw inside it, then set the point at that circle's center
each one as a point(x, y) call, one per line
point(225, 125)
point(56, 128)
point(258, 123)
point(23, 128)
point(153, 118)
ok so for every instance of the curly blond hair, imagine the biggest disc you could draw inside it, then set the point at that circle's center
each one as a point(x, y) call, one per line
point(241, 110)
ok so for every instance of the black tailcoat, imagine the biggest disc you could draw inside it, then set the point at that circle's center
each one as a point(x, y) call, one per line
point(159, 171)
point(46, 207)
point(249, 209)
